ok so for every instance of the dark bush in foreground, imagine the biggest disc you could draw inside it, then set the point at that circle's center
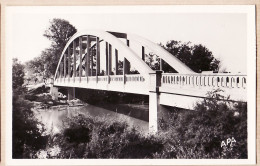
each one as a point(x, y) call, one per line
point(205, 131)
point(86, 137)
point(27, 136)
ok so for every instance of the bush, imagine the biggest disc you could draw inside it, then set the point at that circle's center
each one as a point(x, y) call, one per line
point(27, 132)
point(200, 133)
point(86, 137)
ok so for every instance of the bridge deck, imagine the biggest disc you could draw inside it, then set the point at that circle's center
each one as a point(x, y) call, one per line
point(174, 90)
point(131, 84)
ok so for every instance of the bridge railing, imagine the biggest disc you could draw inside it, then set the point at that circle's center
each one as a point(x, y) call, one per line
point(131, 83)
point(134, 78)
point(205, 80)
point(116, 78)
point(113, 78)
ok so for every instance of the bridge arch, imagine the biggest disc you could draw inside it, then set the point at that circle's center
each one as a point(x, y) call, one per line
point(122, 48)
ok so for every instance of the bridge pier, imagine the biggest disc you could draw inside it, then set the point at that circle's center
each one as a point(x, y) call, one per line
point(71, 93)
point(154, 100)
point(54, 90)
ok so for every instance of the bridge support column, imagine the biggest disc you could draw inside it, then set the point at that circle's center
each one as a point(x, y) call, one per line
point(161, 64)
point(74, 60)
point(106, 58)
point(87, 58)
point(154, 100)
point(69, 63)
point(71, 93)
point(98, 59)
point(80, 58)
point(126, 64)
point(109, 62)
point(54, 91)
point(64, 67)
point(116, 62)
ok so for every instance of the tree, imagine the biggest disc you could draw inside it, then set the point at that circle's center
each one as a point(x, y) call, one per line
point(153, 61)
point(26, 136)
point(17, 74)
point(197, 57)
point(59, 32)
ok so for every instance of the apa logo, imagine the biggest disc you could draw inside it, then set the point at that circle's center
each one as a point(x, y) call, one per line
point(229, 141)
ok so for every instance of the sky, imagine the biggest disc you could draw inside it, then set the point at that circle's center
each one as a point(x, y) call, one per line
point(225, 34)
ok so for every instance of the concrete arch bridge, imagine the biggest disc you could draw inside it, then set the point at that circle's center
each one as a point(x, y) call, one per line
point(80, 67)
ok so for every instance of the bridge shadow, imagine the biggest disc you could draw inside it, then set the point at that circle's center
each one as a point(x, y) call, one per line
point(133, 105)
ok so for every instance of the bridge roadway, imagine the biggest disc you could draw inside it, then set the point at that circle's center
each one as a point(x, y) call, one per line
point(183, 89)
point(173, 89)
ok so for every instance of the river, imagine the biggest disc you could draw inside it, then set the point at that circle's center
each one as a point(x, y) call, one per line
point(53, 117)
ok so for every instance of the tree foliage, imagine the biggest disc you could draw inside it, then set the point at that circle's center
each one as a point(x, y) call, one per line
point(197, 57)
point(17, 74)
point(59, 33)
point(153, 61)
point(26, 136)
point(49, 57)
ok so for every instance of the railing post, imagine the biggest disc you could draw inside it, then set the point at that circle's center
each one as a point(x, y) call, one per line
point(154, 100)
point(98, 58)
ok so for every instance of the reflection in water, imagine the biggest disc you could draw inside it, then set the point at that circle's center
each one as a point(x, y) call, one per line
point(53, 118)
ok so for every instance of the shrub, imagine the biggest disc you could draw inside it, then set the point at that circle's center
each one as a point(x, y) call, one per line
point(87, 137)
point(27, 132)
point(199, 132)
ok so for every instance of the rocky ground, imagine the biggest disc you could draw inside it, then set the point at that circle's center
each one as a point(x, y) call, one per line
point(39, 94)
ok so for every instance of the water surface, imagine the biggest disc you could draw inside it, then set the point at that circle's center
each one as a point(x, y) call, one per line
point(53, 117)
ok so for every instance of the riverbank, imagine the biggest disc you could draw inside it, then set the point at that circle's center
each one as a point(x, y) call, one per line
point(206, 132)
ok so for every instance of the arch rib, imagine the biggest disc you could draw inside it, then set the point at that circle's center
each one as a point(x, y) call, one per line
point(162, 53)
point(123, 50)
